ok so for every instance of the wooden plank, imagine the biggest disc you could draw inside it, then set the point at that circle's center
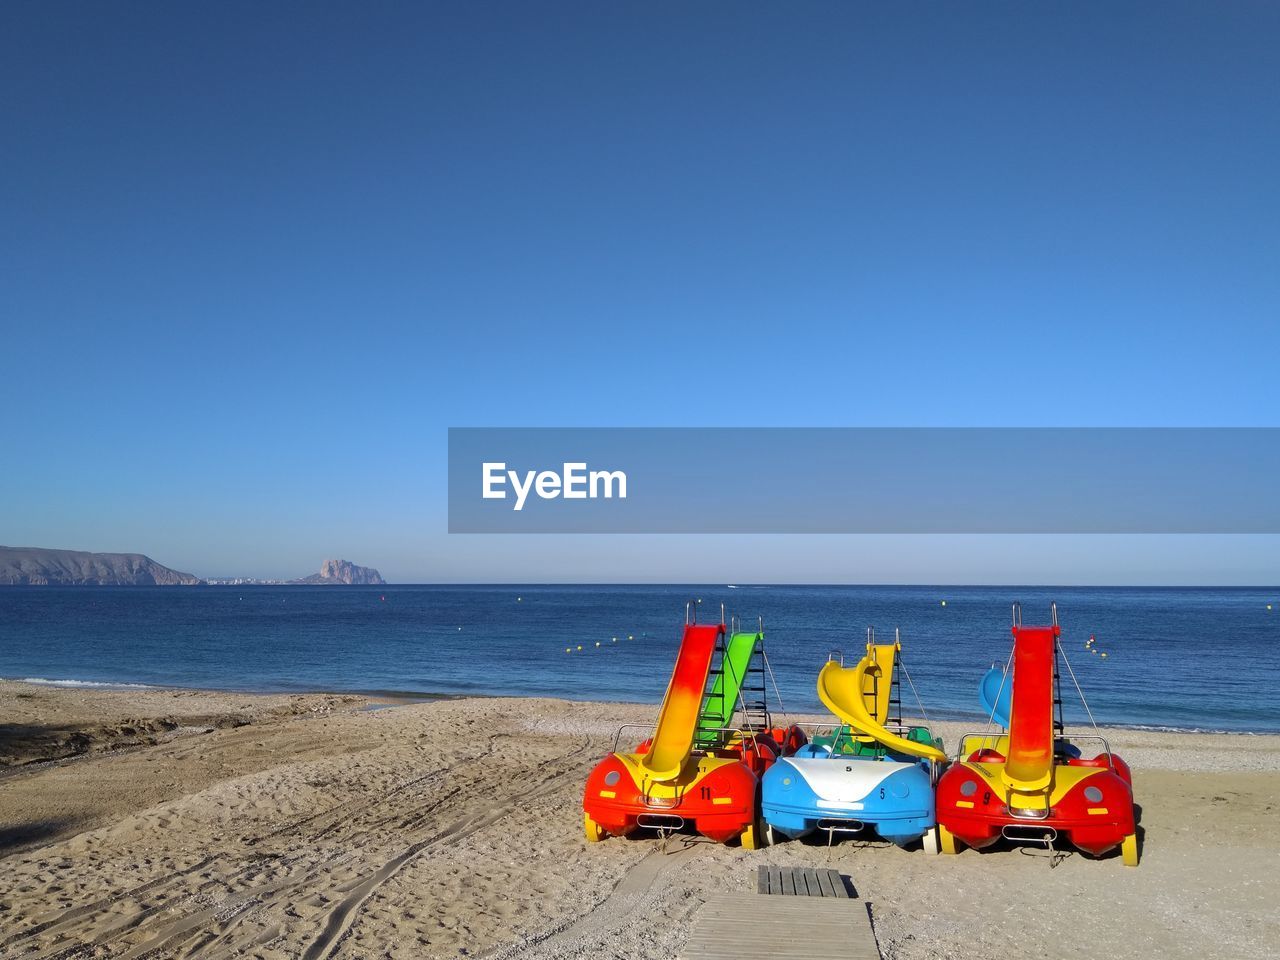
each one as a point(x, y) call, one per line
point(811, 881)
point(761, 909)
point(751, 927)
point(843, 888)
point(801, 882)
point(825, 885)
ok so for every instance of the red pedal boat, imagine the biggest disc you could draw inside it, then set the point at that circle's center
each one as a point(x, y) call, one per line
point(1032, 784)
point(696, 772)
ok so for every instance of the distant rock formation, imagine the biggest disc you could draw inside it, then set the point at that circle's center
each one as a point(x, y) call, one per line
point(343, 571)
point(36, 566)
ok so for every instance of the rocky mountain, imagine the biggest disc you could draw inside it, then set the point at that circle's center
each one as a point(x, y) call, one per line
point(343, 571)
point(40, 567)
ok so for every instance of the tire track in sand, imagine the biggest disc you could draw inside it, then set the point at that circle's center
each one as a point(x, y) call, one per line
point(332, 819)
point(214, 928)
point(343, 916)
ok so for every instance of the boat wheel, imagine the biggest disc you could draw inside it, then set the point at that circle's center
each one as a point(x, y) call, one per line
point(595, 832)
point(1129, 850)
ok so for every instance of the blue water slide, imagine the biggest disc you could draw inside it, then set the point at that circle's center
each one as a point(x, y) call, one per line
point(996, 691)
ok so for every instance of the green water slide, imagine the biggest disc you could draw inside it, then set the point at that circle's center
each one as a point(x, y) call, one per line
point(722, 700)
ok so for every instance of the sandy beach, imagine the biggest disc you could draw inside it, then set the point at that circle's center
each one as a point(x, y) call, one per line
point(159, 823)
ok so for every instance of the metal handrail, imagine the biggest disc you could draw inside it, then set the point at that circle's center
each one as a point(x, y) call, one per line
point(1106, 747)
point(1018, 613)
point(992, 738)
point(817, 725)
point(835, 724)
point(1043, 834)
point(841, 825)
point(617, 736)
point(961, 749)
point(666, 823)
point(743, 732)
point(691, 613)
point(1026, 813)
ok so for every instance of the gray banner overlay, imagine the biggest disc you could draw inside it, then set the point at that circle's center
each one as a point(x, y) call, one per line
point(864, 480)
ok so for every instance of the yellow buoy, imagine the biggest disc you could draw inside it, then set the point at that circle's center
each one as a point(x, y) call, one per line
point(944, 603)
point(1268, 606)
point(568, 649)
point(597, 643)
point(579, 646)
point(1104, 656)
point(631, 636)
point(519, 599)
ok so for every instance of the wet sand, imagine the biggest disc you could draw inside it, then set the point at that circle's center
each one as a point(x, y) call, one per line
point(195, 824)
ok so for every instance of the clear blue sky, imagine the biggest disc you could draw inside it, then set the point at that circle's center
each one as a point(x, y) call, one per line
point(256, 258)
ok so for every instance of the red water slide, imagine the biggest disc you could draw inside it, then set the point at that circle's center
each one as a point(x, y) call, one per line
point(678, 718)
point(1030, 762)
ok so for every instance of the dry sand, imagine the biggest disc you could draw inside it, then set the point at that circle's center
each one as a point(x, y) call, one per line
point(183, 824)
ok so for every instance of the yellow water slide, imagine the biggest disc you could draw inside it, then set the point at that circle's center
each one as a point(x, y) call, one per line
point(859, 696)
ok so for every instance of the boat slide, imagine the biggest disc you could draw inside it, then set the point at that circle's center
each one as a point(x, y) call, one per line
point(681, 707)
point(1028, 767)
point(848, 692)
point(995, 692)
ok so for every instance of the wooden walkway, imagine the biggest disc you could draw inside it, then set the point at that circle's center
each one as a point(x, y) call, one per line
point(801, 882)
point(812, 915)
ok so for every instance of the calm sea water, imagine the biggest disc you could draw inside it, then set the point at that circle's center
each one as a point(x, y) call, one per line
point(1182, 658)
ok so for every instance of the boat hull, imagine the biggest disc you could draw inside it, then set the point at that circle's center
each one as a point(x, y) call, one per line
point(848, 795)
point(1088, 804)
point(712, 796)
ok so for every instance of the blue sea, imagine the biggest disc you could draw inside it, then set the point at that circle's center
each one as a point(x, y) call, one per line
point(1206, 659)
